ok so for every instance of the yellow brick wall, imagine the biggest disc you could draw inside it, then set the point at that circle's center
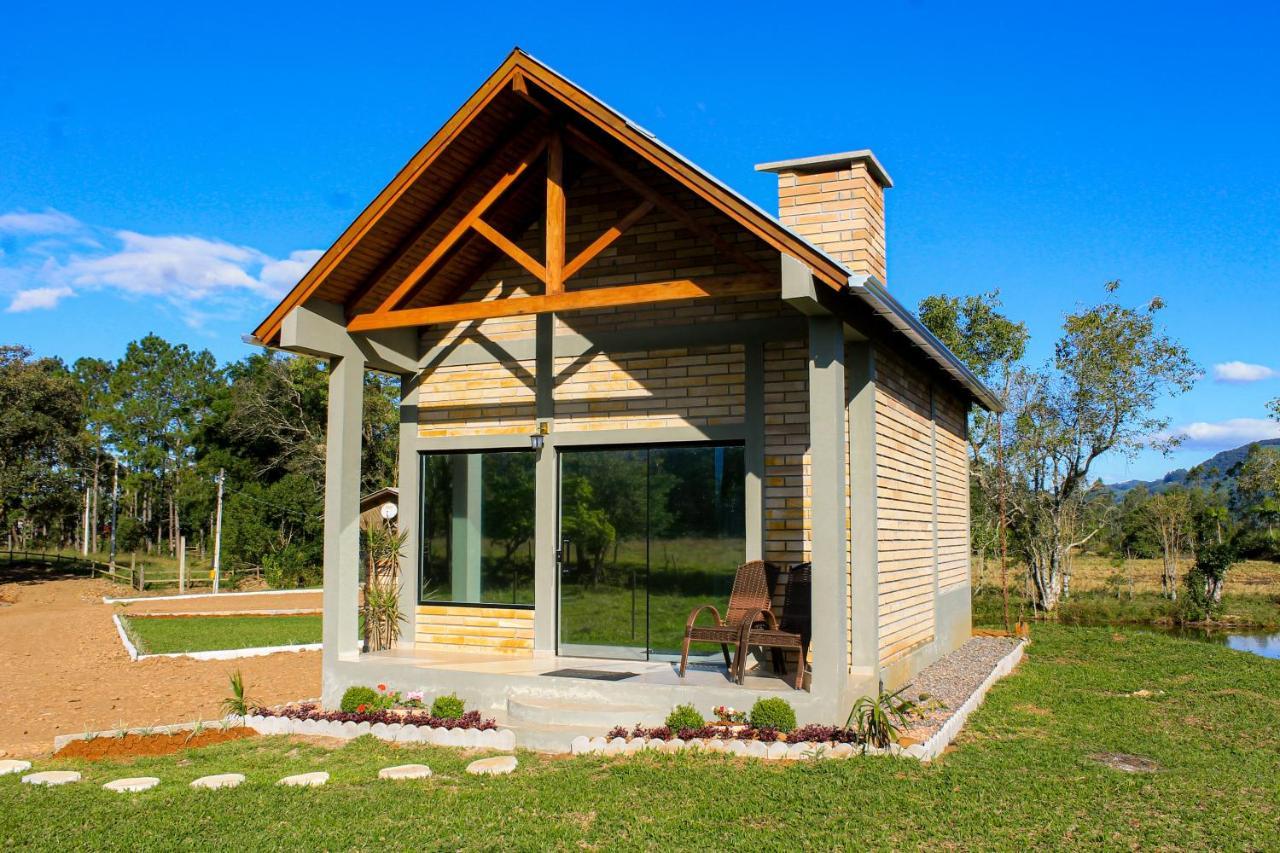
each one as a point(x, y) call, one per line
point(786, 452)
point(841, 211)
point(441, 627)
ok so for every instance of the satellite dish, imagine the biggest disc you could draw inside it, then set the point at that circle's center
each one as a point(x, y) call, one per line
point(388, 511)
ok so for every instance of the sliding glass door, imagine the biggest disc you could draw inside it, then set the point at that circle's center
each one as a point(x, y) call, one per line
point(647, 533)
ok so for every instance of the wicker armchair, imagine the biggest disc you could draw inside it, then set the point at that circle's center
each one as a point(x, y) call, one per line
point(791, 633)
point(751, 596)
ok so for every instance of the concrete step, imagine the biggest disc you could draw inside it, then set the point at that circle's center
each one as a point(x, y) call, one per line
point(586, 717)
point(550, 739)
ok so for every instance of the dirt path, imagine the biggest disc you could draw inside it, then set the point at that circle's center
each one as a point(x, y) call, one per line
point(63, 669)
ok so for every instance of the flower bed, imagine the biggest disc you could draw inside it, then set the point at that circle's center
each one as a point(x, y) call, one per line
point(467, 730)
point(312, 711)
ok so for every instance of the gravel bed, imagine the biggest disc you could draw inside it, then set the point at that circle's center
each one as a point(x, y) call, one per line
point(949, 681)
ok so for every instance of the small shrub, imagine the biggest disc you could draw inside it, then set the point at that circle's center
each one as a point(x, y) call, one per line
point(448, 707)
point(357, 696)
point(684, 717)
point(773, 713)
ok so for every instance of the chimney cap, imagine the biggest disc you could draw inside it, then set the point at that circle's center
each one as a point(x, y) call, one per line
point(826, 162)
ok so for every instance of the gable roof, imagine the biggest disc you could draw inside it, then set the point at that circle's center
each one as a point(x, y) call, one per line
point(383, 237)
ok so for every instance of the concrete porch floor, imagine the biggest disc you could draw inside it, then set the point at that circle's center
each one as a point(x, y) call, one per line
point(547, 712)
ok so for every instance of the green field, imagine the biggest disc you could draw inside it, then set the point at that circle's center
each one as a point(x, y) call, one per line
point(161, 635)
point(1023, 776)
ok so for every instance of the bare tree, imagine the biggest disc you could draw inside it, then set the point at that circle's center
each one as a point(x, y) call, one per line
point(1170, 515)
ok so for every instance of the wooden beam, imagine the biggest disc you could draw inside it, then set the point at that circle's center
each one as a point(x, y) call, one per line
point(437, 213)
point(555, 231)
point(419, 272)
point(520, 256)
point(591, 149)
point(520, 85)
point(606, 239)
point(676, 290)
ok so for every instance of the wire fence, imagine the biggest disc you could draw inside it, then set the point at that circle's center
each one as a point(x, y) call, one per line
point(140, 572)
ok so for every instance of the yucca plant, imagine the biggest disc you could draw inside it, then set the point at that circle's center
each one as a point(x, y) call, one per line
point(878, 721)
point(381, 608)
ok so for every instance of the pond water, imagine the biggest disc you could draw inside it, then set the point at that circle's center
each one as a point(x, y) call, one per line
point(1263, 644)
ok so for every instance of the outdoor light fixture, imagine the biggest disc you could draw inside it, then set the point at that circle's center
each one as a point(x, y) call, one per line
point(536, 439)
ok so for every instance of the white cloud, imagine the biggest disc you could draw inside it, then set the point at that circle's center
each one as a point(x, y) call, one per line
point(1242, 371)
point(197, 277)
point(1222, 435)
point(50, 222)
point(36, 298)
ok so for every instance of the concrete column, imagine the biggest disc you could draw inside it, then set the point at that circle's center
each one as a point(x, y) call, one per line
point(408, 517)
point(468, 508)
point(342, 509)
point(827, 529)
point(546, 491)
point(753, 449)
point(862, 485)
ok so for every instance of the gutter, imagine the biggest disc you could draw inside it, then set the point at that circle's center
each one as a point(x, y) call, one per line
point(874, 294)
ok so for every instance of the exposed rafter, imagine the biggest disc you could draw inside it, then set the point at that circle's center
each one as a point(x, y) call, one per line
point(606, 239)
point(675, 290)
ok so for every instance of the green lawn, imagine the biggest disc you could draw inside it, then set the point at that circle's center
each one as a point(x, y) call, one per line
point(160, 635)
point(1021, 777)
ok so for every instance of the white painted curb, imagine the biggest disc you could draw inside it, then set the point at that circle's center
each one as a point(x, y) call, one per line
point(124, 638)
point(188, 596)
point(208, 725)
point(500, 739)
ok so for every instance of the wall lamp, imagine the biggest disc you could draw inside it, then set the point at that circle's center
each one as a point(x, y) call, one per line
point(537, 439)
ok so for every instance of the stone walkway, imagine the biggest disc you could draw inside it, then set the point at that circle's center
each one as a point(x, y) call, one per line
point(497, 765)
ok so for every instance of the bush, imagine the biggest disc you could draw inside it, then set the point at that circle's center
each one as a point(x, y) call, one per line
point(775, 713)
point(288, 568)
point(448, 707)
point(684, 717)
point(357, 696)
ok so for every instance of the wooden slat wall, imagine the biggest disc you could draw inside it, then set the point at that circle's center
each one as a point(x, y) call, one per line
point(904, 479)
point(474, 629)
point(953, 491)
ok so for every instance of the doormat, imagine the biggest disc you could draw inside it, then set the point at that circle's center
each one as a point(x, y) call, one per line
point(592, 674)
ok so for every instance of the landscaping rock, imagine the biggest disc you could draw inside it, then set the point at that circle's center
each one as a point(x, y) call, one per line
point(11, 765)
point(219, 780)
point(495, 766)
point(580, 745)
point(405, 771)
point(305, 780)
point(132, 785)
point(50, 778)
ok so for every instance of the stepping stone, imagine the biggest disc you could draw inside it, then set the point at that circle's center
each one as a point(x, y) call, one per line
point(305, 780)
point(405, 771)
point(49, 778)
point(129, 786)
point(492, 766)
point(10, 765)
point(220, 780)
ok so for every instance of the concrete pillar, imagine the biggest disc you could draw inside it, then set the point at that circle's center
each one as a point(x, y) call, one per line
point(827, 528)
point(408, 517)
point(342, 509)
point(468, 508)
point(862, 484)
point(546, 495)
point(753, 449)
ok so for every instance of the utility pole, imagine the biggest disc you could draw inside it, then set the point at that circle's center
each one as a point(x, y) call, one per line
point(115, 502)
point(217, 532)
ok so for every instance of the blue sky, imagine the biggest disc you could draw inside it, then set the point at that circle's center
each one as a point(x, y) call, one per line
point(175, 168)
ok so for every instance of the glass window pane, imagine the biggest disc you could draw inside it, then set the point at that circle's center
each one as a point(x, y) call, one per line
point(477, 528)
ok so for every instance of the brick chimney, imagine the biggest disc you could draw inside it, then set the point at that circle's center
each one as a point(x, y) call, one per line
point(836, 202)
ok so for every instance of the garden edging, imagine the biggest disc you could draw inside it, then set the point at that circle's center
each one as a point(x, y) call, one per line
point(502, 739)
point(210, 654)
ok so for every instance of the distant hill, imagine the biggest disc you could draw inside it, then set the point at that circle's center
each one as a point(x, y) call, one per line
point(1221, 463)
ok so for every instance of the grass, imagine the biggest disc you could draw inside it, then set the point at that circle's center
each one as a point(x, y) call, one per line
point(1022, 777)
point(1096, 573)
point(163, 635)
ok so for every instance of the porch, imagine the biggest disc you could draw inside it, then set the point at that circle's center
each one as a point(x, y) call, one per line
point(548, 699)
